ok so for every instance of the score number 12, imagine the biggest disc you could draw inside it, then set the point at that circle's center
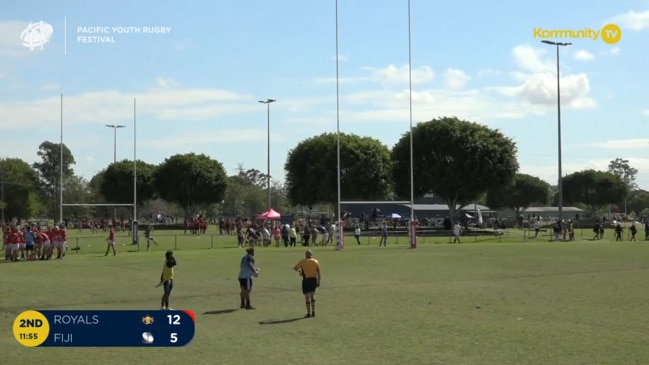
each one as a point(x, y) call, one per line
point(174, 320)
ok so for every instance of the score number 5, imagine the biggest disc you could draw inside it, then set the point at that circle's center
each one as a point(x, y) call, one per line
point(174, 320)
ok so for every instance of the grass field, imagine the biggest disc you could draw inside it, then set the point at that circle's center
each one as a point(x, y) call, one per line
point(481, 302)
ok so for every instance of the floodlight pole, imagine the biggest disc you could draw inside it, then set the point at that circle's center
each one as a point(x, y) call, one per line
point(267, 102)
point(413, 222)
point(560, 180)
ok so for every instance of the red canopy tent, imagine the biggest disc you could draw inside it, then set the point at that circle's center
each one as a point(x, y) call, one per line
point(271, 214)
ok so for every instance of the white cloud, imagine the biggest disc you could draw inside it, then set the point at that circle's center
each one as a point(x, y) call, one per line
point(164, 104)
point(388, 75)
point(615, 51)
point(531, 59)
point(634, 20)
point(191, 140)
point(532, 91)
point(455, 79)
point(10, 43)
point(487, 72)
point(583, 55)
point(645, 112)
point(539, 83)
point(399, 75)
point(165, 82)
point(624, 144)
point(50, 87)
point(90, 159)
point(341, 57)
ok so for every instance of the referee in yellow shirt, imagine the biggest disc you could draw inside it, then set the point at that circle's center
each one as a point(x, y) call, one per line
point(167, 279)
point(309, 268)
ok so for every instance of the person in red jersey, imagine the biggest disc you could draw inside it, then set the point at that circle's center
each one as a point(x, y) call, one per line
point(110, 241)
point(14, 243)
point(38, 242)
point(21, 242)
point(7, 245)
point(46, 237)
point(54, 237)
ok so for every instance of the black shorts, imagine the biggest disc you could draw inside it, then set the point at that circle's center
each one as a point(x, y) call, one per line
point(245, 284)
point(29, 247)
point(309, 285)
point(168, 286)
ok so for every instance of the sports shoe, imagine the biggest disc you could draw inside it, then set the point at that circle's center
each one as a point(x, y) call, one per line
point(308, 315)
point(242, 306)
point(313, 314)
point(249, 307)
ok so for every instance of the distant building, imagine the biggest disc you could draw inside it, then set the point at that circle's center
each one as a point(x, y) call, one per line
point(544, 212)
point(429, 206)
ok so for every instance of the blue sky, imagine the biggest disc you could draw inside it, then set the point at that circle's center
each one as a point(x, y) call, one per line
point(197, 86)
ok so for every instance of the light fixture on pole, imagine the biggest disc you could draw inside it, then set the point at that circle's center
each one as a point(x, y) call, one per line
point(267, 102)
point(115, 128)
point(560, 181)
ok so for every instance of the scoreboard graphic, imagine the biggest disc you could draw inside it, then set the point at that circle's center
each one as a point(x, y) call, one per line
point(108, 328)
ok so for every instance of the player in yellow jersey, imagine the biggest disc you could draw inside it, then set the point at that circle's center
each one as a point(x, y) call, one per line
point(167, 279)
point(309, 269)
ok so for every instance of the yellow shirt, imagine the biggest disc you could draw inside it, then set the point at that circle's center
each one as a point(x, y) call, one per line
point(310, 267)
point(167, 272)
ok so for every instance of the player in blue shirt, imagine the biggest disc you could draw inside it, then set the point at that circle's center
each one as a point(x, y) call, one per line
point(247, 271)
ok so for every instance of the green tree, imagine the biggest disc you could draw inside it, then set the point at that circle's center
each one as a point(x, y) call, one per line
point(621, 168)
point(243, 198)
point(18, 180)
point(116, 185)
point(190, 180)
point(49, 170)
point(638, 200)
point(522, 193)
point(77, 191)
point(593, 188)
point(454, 159)
point(96, 197)
point(311, 170)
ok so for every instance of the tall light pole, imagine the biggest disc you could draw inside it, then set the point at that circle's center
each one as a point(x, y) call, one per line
point(2, 197)
point(412, 223)
point(267, 102)
point(115, 128)
point(560, 182)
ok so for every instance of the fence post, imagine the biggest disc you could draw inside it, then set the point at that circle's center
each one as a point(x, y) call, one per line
point(175, 242)
point(211, 241)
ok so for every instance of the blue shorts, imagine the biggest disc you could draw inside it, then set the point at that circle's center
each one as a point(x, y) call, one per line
point(168, 286)
point(245, 283)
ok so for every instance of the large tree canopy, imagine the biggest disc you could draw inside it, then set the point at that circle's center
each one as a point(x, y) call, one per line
point(191, 181)
point(521, 194)
point(454, 159)
point(593, 188)
point(18, 181)
point(49, 173)
point(311, 169)
point(116, 184)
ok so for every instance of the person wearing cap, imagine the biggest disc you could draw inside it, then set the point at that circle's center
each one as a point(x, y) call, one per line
point(247, 271)
point(309, 269)
point(167, 279)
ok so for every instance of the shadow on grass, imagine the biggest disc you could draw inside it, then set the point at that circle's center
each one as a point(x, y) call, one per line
point(281, 321)
point(222, 311)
